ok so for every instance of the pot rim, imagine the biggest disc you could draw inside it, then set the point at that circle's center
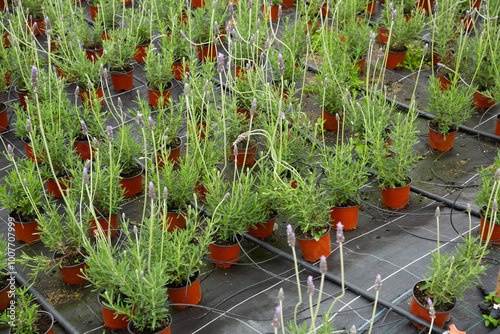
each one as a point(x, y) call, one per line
point(449, 133)
point(131, 177)
point(409, 184)
point(99, 300)
point(346, 207)
point(123, 73)
point(65, 267)
point(169, 87)
point(22, 223)
point(129, 326)
point(238, 241)
point(398, 52)
point(413, 296)
point(3, 109)
point(327, 231)
point(197, 275)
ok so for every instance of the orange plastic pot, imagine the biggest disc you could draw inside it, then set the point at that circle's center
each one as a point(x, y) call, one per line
point(2, 5)
point(481, 101)
point(497, 127)
point(198, 3)
point(330, 121)
point(132, 185)
point(109, 226)
point(274, 11)
point(27, 232)
point(262, 231)
point(123, 81)
point(348, 216)
point(287, 4)
point(396, 59)
point(87, 98)
point(4, 120)
point(383, 35)
point(423, 312)
point(140, 53)
point(396, 198)
point(23, 97)
point(475, 4)
point(5, 296)
point(244, 157)
point(201, 130)
point(83, 149)
point(426, 5)
point(324, 10)
point(93, 55)
point(201, 191)
point(185, 296)
point(6, 40)
point(71, 274)
point(110, 318)
point(30, 153)
point(40, 26)
point(467, 23)
point(312, 250)
point(361, 65)
point(173, 156)
point(155, 95)
point(224, 256)
point(53, 186)
point(94, 10)
point(444, 81)
point(484, 229)
point(439, 141)
point(174, 220)
point(371, 8)
point(179, 70)
point(131, 329)
point(207, 53)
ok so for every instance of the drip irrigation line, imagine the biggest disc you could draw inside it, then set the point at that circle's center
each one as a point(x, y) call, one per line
point(48, 307)
point(334, 279)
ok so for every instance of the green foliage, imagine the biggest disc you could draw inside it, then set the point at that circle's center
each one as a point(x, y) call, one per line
point(489, 190)
point(402, 32)
point(123, 150)
point(26, 314)
point(414, 57)
point(120, 49)
point(88, 73)
point(3, 255)
point(159, 68)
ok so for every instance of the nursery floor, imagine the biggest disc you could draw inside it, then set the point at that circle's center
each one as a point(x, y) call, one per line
point(396, 245)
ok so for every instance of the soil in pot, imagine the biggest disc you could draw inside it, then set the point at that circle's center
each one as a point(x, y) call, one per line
point(396, 198)
point(44, 323)
point(417, 307)
point(244, 156)
point(131, 181)
point(123, 81)
point(347, 215)
point(223, 253)
point(173, 156)
point(185, 293)
point(438, 140)
point(72, 266)
point(312, 250)
point(266, 229)
point(163, 328)
point(110, 318)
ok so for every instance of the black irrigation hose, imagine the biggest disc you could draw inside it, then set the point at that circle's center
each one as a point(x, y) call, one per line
point(48, 307)
point(334, 279)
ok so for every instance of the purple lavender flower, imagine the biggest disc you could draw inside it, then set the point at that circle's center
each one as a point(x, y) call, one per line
point(282, 115)
point(216, 28)
point(277, 316)
point(340, 233)
point(322, 264)
point(10, 151)
point(426, 49)
point(34, 78)
point(310, 285)
point(253, 108)
point(96, 143)
point(109, 132)
point(47, 25)
point(140, 120)
point(28, 125)
point(290, 108)
point(494, 206)
point(85, 175)
point(77, 91)
point(281, 65)
point(372, 37)
point(325, 82)
point(348, 94)
point(252, 39)
point(250, 5)
point(231, 9)
point(496, 177)
point(280, 11)
point(432, 311)
point(352, 330)
point(151, 123)
point(290, 236)
point(248, 66)
point(220, 63)
point(165, 193)
point(378, 283)
point(281, 295)
point(151, 190)
point(436, 7)
point(85, 130)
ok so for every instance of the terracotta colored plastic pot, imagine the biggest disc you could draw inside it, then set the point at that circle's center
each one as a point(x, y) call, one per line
point(93, 55)
point(224, 256)
point(481, 101)
point(123, 81)
point(274, 12)
point(40, 26)
point(383, 35)
point(6, 40)
point(173, 156)
point(108, 226)
point(245, 112)
point(4, 120)
point(132, 185)
point(26, 232)
point(396, 198)
point(426, 5)
point(130, 328)
point(155, 95)
point(475, 4)
point(331, 122)
point(207, 53)
point(263, 231)
point(64, 75)
point(484, 229)
point(201, 130)
point(5, 296)
point(441, 142)
point(2, 5)
point(287, 3)
point(371, 8)
point(187, 295)
point(71, 274)
point(30, 153)
point(86, 97)
point(83, 149)
point(110, 318)
point(93, 11)
point(140, 54)
point(179, 70)
point(23, 97)
point(244, 157)
point(422, 312)
point(174, 220)
point(444, 81)
point(497, 127)
point(361, 65)
point(198, 3)
point(53, 188)
point(348, 216)
point(200, 191)
point(396, 59)
point(467, 23)
point(312, 250)
point(325, 10)
point(46, 314)
point(312, 26)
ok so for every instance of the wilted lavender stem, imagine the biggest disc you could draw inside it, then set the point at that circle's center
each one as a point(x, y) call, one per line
point(290, 236)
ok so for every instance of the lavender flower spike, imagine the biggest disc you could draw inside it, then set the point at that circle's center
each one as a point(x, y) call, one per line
point(140, 120)
point(352, 330)
point(340, 233)
point(151, 123)
point(290, 236)
point(28, 125)
point(216, 28)
point(282, 115)
point(277, 317)
point(187, 91)
point(280, 12)
point(281, 65)
point(253, 108)
point(10, 151)
point(432, 311)
point(378, 283)
point(34, 78)
point(77, 91)
point(109, 132)
point(310, 286)
point(496, 177)
point(437, 213)
point(231, 9)
point(281, 295)
point(322, 264)
point(85, 175)
point(151, 190)
point(220, 63)
point(165, 193)
point(85, 130)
